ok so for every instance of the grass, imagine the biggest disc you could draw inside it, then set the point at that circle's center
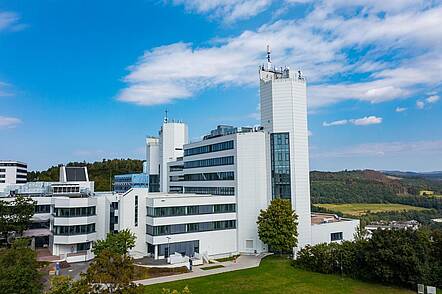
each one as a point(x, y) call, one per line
point(358, 209)
point(212, 267)
point(142, 272)
point(275, 275)
point(230, 258)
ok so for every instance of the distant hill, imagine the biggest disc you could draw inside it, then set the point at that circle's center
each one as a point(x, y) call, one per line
point(369, 186)
point(436, 175)
point(101, 172)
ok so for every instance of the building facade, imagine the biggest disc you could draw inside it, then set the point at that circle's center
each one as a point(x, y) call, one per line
point(123, 183)
point(12, 172)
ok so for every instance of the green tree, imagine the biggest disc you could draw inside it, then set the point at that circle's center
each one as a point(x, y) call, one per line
point(277, 226)
point(111, 272)
point(119, 243)
point(19, 269)
point(15, 215)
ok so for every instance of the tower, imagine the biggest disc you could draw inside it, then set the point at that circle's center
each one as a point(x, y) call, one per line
point(173, 135)
point(283, 96)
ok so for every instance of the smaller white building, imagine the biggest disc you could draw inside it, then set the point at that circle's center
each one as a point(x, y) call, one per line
point(12, 172)
point(326, 228)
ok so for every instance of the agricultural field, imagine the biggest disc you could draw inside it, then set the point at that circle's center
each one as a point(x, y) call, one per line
point(359, 209)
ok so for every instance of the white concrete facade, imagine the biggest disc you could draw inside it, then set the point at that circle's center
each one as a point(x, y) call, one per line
point(173, 136)
point(284, 110)
point(12, 172)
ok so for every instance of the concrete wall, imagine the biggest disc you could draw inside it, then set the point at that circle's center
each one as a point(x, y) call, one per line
point(321, 233)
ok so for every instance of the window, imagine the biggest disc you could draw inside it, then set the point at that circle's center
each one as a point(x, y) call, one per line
point(211, 190)
point(190, 228)
point(209, 148)
point(190, 210)
point(336, 236)
point(74, 230)
point(249, 244)
point(83, 246)
point(217, 161)
point(42, 209)
point(74, 212)
point(280, 165)
point(219, 176)
point(136, 210)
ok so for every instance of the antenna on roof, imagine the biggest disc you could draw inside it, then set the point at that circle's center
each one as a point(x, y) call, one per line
point(269, 62)
point(165, 117)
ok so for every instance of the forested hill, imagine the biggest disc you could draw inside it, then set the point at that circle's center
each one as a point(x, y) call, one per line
point(101, 172)
point(367, 186)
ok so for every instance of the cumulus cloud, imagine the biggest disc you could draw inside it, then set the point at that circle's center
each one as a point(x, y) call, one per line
point(432, 99)
point(227, 10)
point(400, 109)
point(364, 121)
point(317, 43)
point(9, 122)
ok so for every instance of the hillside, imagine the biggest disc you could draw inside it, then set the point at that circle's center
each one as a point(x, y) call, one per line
point(100, 171)
point(366, 186)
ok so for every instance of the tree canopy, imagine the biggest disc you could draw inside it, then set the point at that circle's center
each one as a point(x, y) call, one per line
point(19, 269)
point(119, 243)
point(277, 226)
point(15, 215)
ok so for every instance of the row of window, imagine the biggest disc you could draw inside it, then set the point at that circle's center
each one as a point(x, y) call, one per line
point(19, 170)
point(21, 176)
point(190, 210)
point(13, 164)
point(190, 228)
point(227, 160)
point(229, 191)
point(42, 209)
point(219, 176)
point(67, 189)
point(174, 168)
point(75, 212)
point(209, 148)
point(74, 230)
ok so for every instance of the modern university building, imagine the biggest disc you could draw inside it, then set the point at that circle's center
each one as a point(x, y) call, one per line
point(203, 197)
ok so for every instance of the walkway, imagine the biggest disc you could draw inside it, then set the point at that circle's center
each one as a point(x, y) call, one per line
point(243, 262)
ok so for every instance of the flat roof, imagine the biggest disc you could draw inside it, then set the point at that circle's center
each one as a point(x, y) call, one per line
point(326, 218)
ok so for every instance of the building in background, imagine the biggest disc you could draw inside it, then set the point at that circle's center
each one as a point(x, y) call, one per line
point(123, 183)
point(12, 172)
point(153, 163)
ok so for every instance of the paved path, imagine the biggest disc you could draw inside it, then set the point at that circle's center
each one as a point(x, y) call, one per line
point(243, 262)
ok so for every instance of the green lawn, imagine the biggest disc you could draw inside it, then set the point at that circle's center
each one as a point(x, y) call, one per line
point(358, 209)
point(275, 275)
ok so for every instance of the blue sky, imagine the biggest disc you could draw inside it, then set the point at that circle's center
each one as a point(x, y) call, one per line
point(86, 80)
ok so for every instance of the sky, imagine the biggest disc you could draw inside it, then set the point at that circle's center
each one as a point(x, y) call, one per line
point(87, 80)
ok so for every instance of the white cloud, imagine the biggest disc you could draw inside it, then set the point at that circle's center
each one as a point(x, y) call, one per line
point(10, 21)
point(9, 122)
point(432, 99)
point(364, 121)
point(316, 43)
point(420, 104)
point(227, 10)
point(335, 123)
point(400, 109)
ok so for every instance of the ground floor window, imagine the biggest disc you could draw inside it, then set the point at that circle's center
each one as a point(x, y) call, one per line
point(83, 246)
point(185, 248)
point(336, 236)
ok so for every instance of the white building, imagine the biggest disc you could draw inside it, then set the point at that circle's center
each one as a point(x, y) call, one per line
point(203, 197)
point(12, 172)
